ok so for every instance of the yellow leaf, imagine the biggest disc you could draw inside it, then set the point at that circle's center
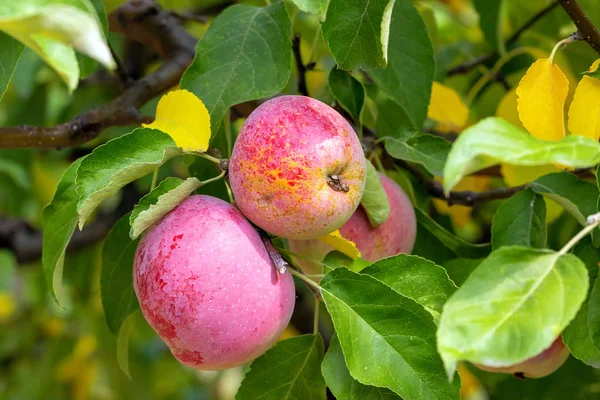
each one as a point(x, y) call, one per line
point(184, 117)
point(335, 240)
point(507, 109)
point(7, 306)
point(447, 108)
point(584, 113)
point(541, 98)
point(289, 332)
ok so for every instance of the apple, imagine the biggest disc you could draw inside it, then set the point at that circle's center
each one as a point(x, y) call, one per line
point(206, 285)
point(297, 169)
point(394, 236)
point(538, 366)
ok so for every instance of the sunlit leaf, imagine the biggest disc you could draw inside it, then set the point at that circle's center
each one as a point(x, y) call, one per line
point(184, 117)
point(118, 162)
point(517, 295)
point(317, 7)
point(584, 112)
point(541, 98)
point(493, 141)
point(447, 108)
point(341, 244)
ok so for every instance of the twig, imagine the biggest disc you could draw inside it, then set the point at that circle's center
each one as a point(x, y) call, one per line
point(588, 31)
point(280, 264)
point(470, 64)
point(300, 67)
point(145, 22)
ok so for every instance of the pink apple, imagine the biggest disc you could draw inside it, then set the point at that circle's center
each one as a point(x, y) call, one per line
point(538, 366)
point(396, 235)
point(207, 286)
point(297, 169)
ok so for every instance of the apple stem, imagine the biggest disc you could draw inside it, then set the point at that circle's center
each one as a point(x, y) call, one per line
point(316, 317)
point(278, 261)
point(336, 183)
point(592, 222)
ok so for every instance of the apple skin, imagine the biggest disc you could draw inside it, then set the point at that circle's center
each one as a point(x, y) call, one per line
point(394, 236)
point(206, 285)
point(280, 165)
point(538, 366)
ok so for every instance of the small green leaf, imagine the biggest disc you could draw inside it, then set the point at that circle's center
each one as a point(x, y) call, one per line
point(123, 344)
point(493, 141)
point(388, 340)
point(428, 150)
point(317, 7)
point(459, 269)
point(337, 259)
point(416, 278)
point(342, 384)
point(246, 54)
point(159, 202)
point(511, 307)
point(59, 221)
point(10, 52)
point(118, 162)
point(392, 120)
point(520, 220)
point(289, 371)
point(454, 243)
point(348, 92)
point(594, 314)
point(358, 32)
point(116, 279)
point(411, 63)
point(375, 201)
point(54, 30)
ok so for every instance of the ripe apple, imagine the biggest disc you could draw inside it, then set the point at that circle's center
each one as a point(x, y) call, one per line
point(297, 169)
point(207, 286)
point(394, 236)
point(538, 366)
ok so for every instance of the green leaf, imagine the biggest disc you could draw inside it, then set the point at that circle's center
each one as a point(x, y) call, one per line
point(348, 92)
point(454, 243)
point(375, 201)
point(520, 220)
point(116, 279)
point(59, 221)
point(337, 259)
point(159, 202)
point(358, 32)
point(459, 269)
point(318, 7)
point(392, 120)
point(245, 55)
point(10, 52)
point(511, 307)
point(490, 22)
point(123, 344)
point(416, 278)
point(54, 30)
point(290, 370)
point(118, 162)
point(342, 384)
point(594, 314)
point(493, 141)
point(577, 196)
point(87, 65)
point(388, 340)
point(411, 63)
point(428, 150)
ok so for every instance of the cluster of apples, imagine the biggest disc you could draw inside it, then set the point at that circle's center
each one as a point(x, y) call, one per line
point(203, 277)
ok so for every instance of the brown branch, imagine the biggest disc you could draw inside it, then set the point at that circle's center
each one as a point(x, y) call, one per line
point(300, 67)
point(584, 25)
point(470, 64)
point(145, 22)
